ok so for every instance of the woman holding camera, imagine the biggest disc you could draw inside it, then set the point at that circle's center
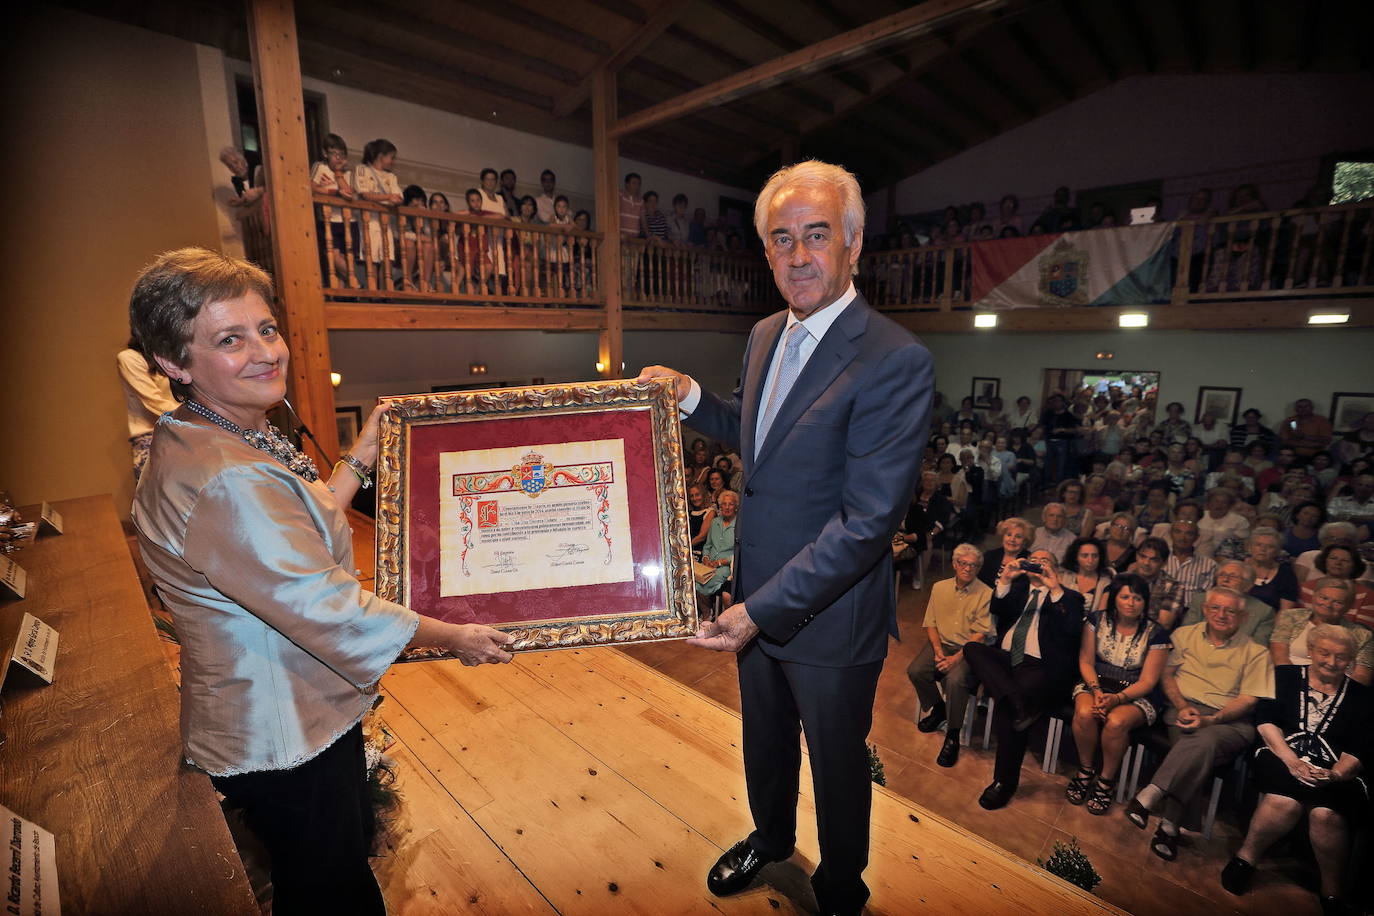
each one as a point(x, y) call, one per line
point(281, 649)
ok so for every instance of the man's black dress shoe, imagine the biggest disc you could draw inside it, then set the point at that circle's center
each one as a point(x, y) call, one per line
point(996, 795)
point(735, 870)
point(949, 752)
point(931, 720)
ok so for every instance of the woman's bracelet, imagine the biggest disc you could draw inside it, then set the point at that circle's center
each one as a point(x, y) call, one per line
point(360, 470)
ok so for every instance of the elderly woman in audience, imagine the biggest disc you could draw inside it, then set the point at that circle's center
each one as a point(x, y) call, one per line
point(1181, 478)
point(718, 552)
point(699, 516)
point(929, 514)
point(1070, 495)
point(717, 482)
point(1239, 577)
point(1120, 660)
point(698, 462)
point(1290, 643)
point(1087, 574)
point(1015, 536)
point(1305, 521)
point(1099, 502)
point(1342, 561)
point(1317, 739)
point(1220, 521)
point(1176, 430)
point(1118, 551)
point(1275, 582)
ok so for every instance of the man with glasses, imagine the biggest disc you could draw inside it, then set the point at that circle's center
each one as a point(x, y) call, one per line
point(1166, 594)
point(1238, 576)
point(956, 614)
point(1214, 678)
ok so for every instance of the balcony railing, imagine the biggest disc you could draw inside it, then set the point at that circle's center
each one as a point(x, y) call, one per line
point(1318, 252)
point(659, 276)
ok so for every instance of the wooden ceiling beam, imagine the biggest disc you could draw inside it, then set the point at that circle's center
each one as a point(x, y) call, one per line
point(625, 9)
point(1194, 42)
point(526, 18)
point(767, 30)
point(805, 97)
point(952, 139)
point(1139, 30)
point(706, 128)
point(664, 15)
point(1089, 36)
point(1032, 51)
point(847, 45)
point(960, 106)
point(975, 61)
point(669, 77)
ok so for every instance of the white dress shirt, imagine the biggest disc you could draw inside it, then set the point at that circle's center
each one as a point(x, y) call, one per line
point(1041, 595)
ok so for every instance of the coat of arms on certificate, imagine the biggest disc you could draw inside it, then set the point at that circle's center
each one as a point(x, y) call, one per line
point(556, 513)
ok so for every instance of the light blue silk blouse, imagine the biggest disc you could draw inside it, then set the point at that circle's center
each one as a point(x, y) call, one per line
point(281, 648)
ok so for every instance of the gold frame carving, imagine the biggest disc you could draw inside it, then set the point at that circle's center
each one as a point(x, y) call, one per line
point(678, 620)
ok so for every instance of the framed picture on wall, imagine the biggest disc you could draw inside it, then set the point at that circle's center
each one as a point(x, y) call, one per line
point(1222, 403)
point(984, 390)
point(349, 421)
point(1348, 409)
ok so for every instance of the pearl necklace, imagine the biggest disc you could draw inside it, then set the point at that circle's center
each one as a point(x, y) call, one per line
point(272, 442)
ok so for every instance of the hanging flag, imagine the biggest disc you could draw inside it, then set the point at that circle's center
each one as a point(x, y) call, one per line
point(1130, 265)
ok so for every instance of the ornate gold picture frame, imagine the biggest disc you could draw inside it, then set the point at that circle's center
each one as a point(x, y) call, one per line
point(556, 513)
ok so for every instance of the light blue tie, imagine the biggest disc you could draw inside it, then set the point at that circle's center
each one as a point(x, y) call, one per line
point(787, 377)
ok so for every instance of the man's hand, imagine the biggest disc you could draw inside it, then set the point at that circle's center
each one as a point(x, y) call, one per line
point(946, 662)
point(682, 382)
point(1189, 718)
point(729, 632)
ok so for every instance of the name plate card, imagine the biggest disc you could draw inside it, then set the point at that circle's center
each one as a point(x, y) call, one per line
point(49, 520)
point(31, 868)
point(12, 579)
point(35, 650)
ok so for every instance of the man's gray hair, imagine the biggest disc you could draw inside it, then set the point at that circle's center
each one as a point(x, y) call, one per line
point(1344, 586)
point(1246, 570)
point(1332, 532)
point(1271, 533)
point(1331, 632)
point(968, 550)
point(814, 174)
point(1228, 593)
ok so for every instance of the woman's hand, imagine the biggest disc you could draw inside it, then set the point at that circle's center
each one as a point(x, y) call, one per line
point(365, 446)
point(474, 644)
point(1304, 772)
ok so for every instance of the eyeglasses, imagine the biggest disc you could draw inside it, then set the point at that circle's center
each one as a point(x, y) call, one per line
point(1221, 610)
point(965, 564)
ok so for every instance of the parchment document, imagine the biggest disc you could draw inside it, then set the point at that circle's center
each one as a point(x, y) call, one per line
point(539, 516)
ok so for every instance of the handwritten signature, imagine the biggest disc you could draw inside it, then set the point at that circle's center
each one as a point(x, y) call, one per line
point(568, 550)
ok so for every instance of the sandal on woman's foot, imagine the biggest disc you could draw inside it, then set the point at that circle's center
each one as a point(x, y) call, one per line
point(1100, 798)
point(1137, 813)
point(1079, 786)
point(1164, 845)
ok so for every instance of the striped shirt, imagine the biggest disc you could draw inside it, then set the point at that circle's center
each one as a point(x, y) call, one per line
point(1195, 574)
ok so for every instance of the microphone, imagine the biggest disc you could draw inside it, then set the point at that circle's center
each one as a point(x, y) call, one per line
point(301, 429)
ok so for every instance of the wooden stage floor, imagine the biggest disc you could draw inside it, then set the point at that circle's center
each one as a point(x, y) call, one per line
point(584, 781)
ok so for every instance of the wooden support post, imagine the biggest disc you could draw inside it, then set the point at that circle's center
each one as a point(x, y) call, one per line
point(300, 296)
point(606, 152)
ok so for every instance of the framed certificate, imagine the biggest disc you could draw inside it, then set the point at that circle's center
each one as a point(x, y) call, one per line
point(556, 513)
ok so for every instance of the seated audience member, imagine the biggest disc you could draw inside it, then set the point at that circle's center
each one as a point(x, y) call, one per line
point(1305, 521)
point(1257, 458)
point(1120, 661)
point(1015, 534)
point(965, 440)
point(700, 514)
point(1156, 510)
point(332, 176)
point(1239, 577)
point(1307, 431)
point(1178, 474)
point(1069, 494)
point(1166, 593)
point(1290, 643)
point(1275, 582)
point(1173, 426)
point(1316, 741)
point(697, 463)
point(966, 414)
point(1213, 679)
point(956, 614)
point(1357, 443)
point(971, 477)
point(951, 482)
point(718, 551)
point(1193, 572)
point(1219, 522)
point(1356, 506)
point(1025, 417)
point(1232, 472)
point(1001, 450)
point(929, 514)
point(1119, 542)
point(1343, 562)
point(1323, 471)
point(1100, 504)
point(995, 418)
point(717, 482)
point(1054, 535)
point(1031, 666)
point(1087, 574)
point(1214, 437)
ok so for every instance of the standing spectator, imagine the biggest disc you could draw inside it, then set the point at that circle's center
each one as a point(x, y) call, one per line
point(927, 517)
point(1306, 431)
point(1215, 439)
point(1251, 430)
point(1174, 427)
point(493, 204)
point(1199, 210)
point(548, 182)
point(1063, 429)
point(956, 614)
point(631, 207)
point(331, 176)
point(966, 414)
point(1167, 602)
point(679, 226)
point(1024, 417)
point(655, 223)
point(1032, 665)
point(996, 417)
point(1059, 216)
point(147, 396)
point(696, 230)
point(1190, 569)
point(375, 181)
point(1008, 216)
point(1214, 678)
point(510, 198)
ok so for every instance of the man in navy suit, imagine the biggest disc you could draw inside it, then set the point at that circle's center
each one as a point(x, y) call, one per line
point(830, 417)
point(1032, 664)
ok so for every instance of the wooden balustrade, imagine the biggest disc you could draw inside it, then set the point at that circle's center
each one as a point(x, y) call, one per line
point(1304, 253)
point(656, 275)
point(411, 253)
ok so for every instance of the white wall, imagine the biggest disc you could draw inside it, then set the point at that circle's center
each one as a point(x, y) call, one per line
point(1274, 368)
point(1191, 130)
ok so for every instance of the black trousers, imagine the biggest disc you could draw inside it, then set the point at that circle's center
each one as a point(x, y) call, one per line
point(1030, 688)
point(317, 824)
point(834, 706)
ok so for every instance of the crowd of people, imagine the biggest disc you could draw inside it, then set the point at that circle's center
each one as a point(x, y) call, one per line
point(1205, 582)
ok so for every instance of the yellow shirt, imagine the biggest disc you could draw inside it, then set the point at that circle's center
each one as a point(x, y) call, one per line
point(1215, 675)
point(959, 615)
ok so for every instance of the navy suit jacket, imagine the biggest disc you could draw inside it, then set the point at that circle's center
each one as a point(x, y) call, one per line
point(1061, 624)
point(830, 484)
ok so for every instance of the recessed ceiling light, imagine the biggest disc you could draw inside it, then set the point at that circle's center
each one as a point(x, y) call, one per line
point(1328, 318)
point(985, 321)
point(1134, 320)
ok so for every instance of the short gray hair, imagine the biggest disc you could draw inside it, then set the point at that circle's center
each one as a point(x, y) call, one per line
point(814, 174)
point(968, 550)
point(1332, 532)
point(1228, 593)
point(1246, 570)
point(1271, 533)
point(1332, 632)
point(1346, 587)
